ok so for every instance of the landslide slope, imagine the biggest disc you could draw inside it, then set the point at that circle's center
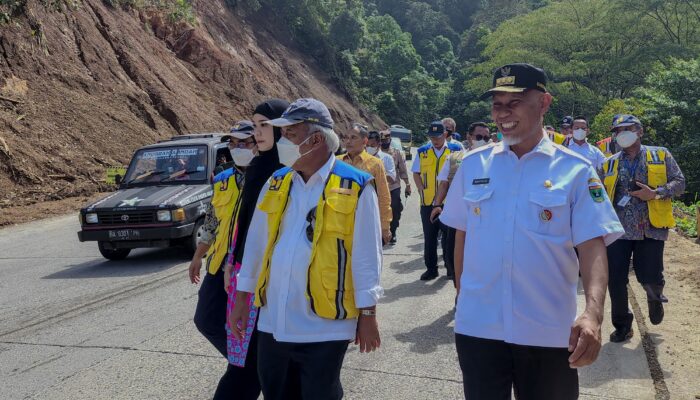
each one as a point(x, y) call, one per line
point(82, 87)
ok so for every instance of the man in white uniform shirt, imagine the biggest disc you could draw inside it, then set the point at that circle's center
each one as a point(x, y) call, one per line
point(315, 264)
point(515, 323)
point(374, 148)
point(580, 145)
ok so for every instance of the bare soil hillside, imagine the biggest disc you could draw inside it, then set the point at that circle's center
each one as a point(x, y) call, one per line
point(81, 88)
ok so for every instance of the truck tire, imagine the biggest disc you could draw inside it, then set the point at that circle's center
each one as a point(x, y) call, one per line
point(112, 254)
point(191, 243)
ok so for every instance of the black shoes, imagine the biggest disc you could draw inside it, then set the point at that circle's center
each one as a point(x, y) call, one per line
point(393, 239)
point(656, 311)
point(429, 275)
point(621, 335)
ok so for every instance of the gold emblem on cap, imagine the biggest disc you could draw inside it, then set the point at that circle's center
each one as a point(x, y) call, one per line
point(548, 184)
point(620, 119)
point(477, 211)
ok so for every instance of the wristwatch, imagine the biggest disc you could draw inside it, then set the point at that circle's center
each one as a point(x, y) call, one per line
point(368, 313)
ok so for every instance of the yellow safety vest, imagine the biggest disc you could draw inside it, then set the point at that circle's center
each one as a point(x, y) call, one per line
point(430, 166)
point(329, 287)
point(660, 211)
point(226, 202)
point(557, 138)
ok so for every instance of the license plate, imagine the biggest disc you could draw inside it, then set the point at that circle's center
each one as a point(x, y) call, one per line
point(124, 234)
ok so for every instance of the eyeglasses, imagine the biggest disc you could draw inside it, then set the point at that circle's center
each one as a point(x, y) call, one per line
point(311, 219)
point(482, 137)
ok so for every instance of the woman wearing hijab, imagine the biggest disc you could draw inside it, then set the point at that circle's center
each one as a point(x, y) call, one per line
point(241, 378)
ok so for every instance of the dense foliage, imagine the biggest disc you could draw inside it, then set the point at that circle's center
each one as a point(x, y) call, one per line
point(413, 61)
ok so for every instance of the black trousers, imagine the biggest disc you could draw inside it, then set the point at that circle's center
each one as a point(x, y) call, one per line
point(316, 366)
point(241, 383)
point(210, 315)
point(449, 250)
point(648, 261)
point(210, 320)
point(430, 239)
point(491, 368)
point(396, 209)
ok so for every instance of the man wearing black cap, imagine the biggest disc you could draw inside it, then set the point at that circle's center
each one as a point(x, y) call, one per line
point(219, 220)
point(426, 167)
point(640, 181)
point(315, 264)
point(515, 322)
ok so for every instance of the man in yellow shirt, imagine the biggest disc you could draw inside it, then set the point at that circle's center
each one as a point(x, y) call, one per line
point(355, 141)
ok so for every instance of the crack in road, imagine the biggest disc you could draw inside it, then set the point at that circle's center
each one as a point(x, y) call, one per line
point(655, 370)
point(403, 374)
point(123, 348)
point(100, 301)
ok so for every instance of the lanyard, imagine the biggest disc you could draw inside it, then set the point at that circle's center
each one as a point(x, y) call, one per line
point(633, 168)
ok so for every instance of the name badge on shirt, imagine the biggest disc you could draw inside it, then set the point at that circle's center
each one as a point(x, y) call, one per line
point(624, 201)
point(482, 181)
point(342, 191)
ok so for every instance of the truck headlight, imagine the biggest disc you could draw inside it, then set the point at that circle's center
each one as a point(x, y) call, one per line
point(179, 215)
point(163, 216)
point(91, 218)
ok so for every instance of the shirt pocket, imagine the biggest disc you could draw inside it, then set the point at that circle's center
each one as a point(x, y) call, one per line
point(548, 213)
point(477, 202)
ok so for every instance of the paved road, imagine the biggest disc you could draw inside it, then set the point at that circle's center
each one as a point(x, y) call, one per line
point(74, 326)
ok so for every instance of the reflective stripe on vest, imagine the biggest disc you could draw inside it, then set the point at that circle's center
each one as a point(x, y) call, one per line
point(430, 166)
point(660, 211)
point(226, 202)
point(330, 289)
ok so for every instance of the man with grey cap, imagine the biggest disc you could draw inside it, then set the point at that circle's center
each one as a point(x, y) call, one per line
point(515, 322)
point(640, 180)
point(314, 268)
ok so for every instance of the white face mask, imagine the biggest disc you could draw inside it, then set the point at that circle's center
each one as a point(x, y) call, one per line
point(626, 138)
point(479, 143)
point(242, 157)
point(289, 152)
point(372, 150)
point(579, 134)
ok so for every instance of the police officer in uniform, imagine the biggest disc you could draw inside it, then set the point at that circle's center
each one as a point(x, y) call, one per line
point(315, 264)
point(429, 160)
point(640, 181)
point(515, 322)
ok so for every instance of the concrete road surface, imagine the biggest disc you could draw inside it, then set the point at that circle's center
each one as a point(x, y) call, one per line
point(75, 326)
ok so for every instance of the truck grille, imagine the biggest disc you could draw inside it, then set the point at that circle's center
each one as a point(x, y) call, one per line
point(126, 218)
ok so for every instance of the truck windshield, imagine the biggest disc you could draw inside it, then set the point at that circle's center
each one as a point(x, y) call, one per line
point(168, 164)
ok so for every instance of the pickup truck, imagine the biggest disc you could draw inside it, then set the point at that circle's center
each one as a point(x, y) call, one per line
point(161, 199)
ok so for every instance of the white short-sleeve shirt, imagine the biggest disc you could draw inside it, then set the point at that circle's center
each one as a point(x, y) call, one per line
point(522, 219)
point(589, 152)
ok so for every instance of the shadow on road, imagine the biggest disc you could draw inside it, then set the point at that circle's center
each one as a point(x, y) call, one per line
point(407, 267)
point(142, 262)
point(414, 289)
point(426, 339)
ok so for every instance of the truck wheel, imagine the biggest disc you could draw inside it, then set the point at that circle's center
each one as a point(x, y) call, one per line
point(112, 254)
point(196, 233)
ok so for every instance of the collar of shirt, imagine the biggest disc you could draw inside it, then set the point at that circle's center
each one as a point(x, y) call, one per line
point(545, 146)
point(320, 175)
point(444, 146)
point(573, 143)
point(640, 154)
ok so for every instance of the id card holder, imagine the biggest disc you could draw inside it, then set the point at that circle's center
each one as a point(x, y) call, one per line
point(624, 201)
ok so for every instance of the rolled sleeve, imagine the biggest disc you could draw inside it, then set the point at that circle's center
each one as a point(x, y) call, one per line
point(453, 213)
point(444, 174)
point(591, 217)
point(254, 252)
point(367, 250)
point(415, 165)
point(676, 180)
point(209, 226)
